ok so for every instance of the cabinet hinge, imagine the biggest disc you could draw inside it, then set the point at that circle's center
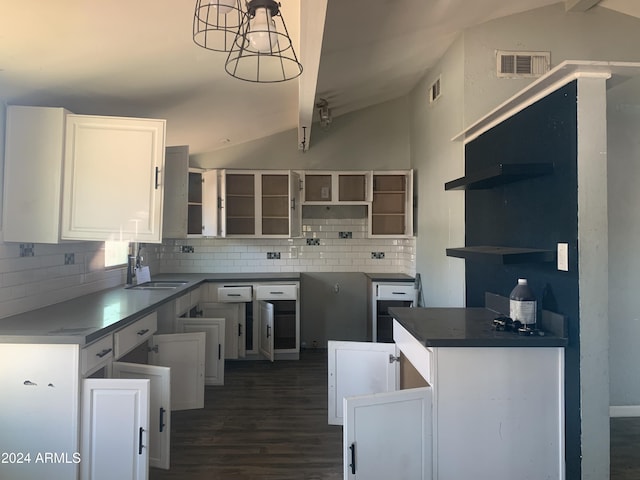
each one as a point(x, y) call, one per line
point(153, 349)
point(300, 184)
point(219, 202)
point(394, 358)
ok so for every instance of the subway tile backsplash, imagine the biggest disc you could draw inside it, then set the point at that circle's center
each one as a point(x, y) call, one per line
point(320, 250)
point(34, 276)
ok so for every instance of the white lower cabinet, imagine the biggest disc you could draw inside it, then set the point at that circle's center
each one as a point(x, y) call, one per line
point(364, 397)
point(388, 435)
point(159, 429)
point(39, 411)
point(265, 318)
point(115, 429)
point(487, 412)
point(235, 327)
point(214, 331)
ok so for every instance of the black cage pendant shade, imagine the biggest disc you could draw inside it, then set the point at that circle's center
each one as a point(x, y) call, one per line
point(216, 24)
point(262, 51)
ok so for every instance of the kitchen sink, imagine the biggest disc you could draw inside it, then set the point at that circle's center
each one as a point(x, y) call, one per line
point(159, 285)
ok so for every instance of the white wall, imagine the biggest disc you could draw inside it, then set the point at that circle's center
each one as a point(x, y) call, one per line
point(623, 118)
point(372, 138)
point(436, 159)
point(598, 34)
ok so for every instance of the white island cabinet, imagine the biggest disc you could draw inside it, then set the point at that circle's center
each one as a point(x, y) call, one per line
point(82, 177)
point(476, 411)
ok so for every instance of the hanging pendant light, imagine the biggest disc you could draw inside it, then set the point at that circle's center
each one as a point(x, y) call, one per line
point(262, 50)
point(216, 24)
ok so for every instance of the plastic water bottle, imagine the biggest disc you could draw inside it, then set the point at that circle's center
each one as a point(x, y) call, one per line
point(522, 304)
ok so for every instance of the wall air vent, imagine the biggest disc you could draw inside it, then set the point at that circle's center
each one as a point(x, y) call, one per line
point(434, 90)
point(522, 64)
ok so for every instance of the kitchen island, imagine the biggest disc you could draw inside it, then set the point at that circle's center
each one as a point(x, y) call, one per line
point(458, 398)
point(497, 397)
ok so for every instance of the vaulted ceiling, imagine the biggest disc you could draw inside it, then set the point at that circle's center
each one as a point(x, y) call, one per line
point(137, 58)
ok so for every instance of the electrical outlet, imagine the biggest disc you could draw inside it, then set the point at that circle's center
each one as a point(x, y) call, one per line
point(563, 257)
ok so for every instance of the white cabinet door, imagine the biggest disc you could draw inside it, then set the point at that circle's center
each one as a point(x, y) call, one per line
point(159, 409)
point(214, 328)
point(295, 215)
point(359, 368)
point(115, 429)
point(233, 315)
point(210, 217)
point(176, 187)
point(388, 435)
point(38, 410)
point(184, 353)
point(113, 179)
point(266, 330)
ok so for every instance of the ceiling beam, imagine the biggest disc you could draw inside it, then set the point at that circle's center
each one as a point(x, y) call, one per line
point(312, 18)
point(579, 5)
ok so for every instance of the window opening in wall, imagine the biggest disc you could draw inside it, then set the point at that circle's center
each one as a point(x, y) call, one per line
point(115, 253)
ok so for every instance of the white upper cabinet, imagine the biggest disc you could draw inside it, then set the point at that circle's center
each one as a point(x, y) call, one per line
point(391, 211)
point(260, 203)
point(82, 177)
point(331, 187)
point(190, 197)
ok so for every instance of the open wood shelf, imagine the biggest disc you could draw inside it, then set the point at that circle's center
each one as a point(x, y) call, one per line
point(502, 255)
point(499, 174)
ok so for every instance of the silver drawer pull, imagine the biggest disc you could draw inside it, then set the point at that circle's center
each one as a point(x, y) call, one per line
point(142, 332)
point(104, 352)
point(276, 293)
point(233, 295)
point(399, 293)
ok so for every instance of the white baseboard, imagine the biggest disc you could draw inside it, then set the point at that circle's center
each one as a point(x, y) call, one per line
point(624, 411)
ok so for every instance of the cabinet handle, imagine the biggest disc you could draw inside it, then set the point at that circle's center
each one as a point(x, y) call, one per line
point(104, 352)
point(233, 294)
point(399, 293)
point(239, 329)
point(140, 446)
point(352, 447)
point(142, 332)
point(268, 331)
point(157, 174)
point(293, 204)
point(219, 352)
point(276, 293)
point(162, 410)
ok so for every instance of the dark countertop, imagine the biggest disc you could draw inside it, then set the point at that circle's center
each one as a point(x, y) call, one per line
point(464, 327)
point(389, 277)
point(87, 318)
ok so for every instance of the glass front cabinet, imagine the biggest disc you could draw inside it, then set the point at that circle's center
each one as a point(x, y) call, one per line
point(260, 203)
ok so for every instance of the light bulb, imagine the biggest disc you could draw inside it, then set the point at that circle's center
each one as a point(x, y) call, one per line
point(259, 36)
point(223, 6)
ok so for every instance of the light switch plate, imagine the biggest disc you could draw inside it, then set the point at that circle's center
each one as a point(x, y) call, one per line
point(563, 257)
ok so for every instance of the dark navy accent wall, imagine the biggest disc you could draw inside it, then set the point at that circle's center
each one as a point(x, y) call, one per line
point(533, 213)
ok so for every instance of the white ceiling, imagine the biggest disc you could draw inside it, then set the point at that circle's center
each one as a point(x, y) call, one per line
point(137, 58)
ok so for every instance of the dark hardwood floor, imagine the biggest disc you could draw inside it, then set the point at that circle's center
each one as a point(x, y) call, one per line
point(625, 448)
point(268, 422)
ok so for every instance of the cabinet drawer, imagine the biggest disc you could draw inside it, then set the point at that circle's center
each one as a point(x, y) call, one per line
point(234, 294)
point(400, 291)
point(133, 335)
point(276, 292)
point(420, 356)
point(96, 355)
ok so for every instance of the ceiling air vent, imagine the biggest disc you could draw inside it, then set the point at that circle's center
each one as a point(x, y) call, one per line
point(522, 64)
point(434, 90)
